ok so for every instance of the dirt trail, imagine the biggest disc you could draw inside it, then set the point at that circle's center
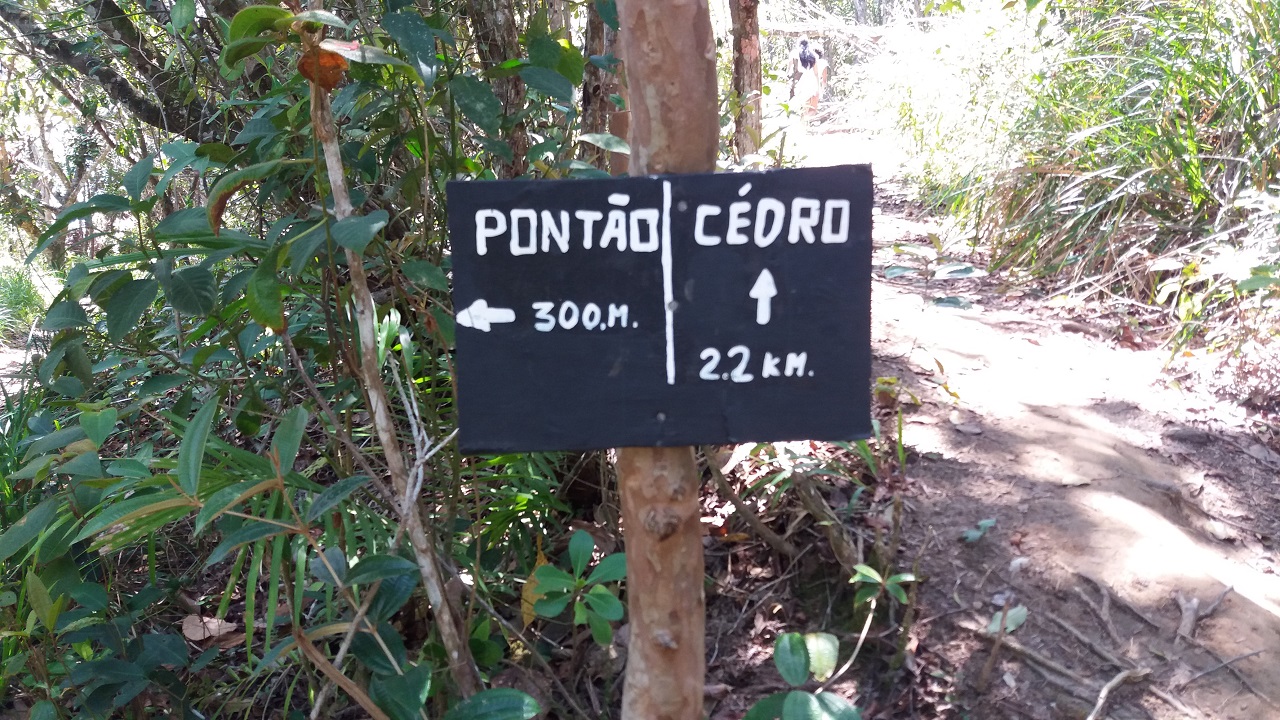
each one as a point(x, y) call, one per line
point(1093, 465)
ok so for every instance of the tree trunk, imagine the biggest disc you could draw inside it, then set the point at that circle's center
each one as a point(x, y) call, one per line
point(599, 114)
point(747, 83)
point(497, 38)
point(670, 55)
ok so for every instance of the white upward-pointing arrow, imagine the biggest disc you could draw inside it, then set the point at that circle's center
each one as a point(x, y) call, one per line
point(763, 291)
point(480, 316)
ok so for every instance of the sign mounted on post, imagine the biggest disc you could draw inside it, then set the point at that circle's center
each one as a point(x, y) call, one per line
point(660, 311)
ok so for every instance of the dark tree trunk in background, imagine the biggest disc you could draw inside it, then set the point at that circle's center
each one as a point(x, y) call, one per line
point(496, 33)
point(599, 113)
point(747, 82)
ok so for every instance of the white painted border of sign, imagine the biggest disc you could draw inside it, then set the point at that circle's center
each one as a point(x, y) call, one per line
point(668, 289)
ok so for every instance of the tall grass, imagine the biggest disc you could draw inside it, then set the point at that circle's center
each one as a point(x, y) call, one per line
point(1145, 152)
point(21, 302)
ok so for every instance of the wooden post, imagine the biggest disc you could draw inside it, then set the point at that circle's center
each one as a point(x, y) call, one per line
point(669, 53)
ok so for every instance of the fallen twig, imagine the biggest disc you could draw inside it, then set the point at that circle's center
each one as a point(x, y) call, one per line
point(1103, 611)
point(1122, 677)
point(846, 551)
point(1206, 612)
point(1215, 668)
point(1232, 669)
point(748, 514)
point(1190, 609)
point(1102, 586)
point(1026, 652)
point(1094, 645)
point(984, 677)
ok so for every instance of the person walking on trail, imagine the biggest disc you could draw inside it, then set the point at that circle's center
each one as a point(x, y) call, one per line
point(807, 86)
point(822, 70)
point(796, 69)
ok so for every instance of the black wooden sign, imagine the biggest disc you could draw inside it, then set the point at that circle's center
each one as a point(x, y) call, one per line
point(668, 310)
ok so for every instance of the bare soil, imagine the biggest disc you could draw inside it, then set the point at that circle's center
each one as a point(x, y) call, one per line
point(1136, 518)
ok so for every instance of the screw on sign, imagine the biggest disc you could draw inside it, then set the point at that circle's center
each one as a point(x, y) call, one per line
point(674, 310)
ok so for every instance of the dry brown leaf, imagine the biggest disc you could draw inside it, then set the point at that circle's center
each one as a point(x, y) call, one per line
point(197, 628)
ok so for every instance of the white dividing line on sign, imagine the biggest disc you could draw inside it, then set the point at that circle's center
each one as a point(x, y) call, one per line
point(668, 290)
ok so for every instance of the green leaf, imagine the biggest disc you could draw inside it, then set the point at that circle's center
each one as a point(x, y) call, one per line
point(21, 533)
point(365, 647)
point(549, 83)
point(40, 601)
point(552, 607)
point(251, 531)
point(126, 306)
point(330, 567)
point(866, 574)
point(1012, 621)
point(163, 649)
point(251, 21)
point(495, 704)
point(824, 651)
point(1257, 282)
point(476, 101)
point(768, 708)
point(791, 655)
point(355, 52)
point(135, 181)
point(801, 706)
point(606, 141)
point(264, 294)
point(603, 603)
point(611, 569)
point(356, 232)
point(99, 425)
point(552, 579)
point(225, 499)
point(232, 54)
point(288, 437)
point(192, 290)
point(231, 182)
point(402, 697)
point(425, 275)
point(85, 464)
point(333, 495)
point(321, 17)
point(580, 547)
point(43, 710)
point(377, 567)
point(601, 630)
point(417, 41)
point(63, 315)
point(608, 11)
point(834, 707)
point(894, 271)
point(191, 452)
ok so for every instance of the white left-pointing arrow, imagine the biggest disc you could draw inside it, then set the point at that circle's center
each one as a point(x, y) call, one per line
point(481, 317)
point(763, 293)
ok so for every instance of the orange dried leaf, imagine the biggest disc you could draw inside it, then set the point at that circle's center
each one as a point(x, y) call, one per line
point(323, 67)
point(530, 595)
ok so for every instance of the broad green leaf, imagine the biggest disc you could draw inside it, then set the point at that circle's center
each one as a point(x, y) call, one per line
point(551, 579)
point(425, 275)
point(163, 649)
point(551, 607)
point(606, 141)
point(355, 52)
point(402, 697)
point(824, 651)
point(356, 232)
point(417, 41)
point(191, 452)
point(866, 573)
point(377, 567)
point(40, 601)
point(608, 10)
point(126, 306)
point(611, 569)
point(21, 533)
point(392, 595)
point(135, 181)
point(264, 294)
point(894, 271)
point(476, 101)
point(495, 704)
point(834, 707)
point(601, 630)
point(580, 547)
point(193, 290)
point(125, 511)
point(227, 498)
point(330, 566)
point(768, 708)
point(251, 531)
point(62, 315)
point(333, 495)
point(43, 710)
point(367, 649)
point(254, 19)
point(288, 437)
point(791, 655)
point(85, 464)
point(55, 440)
point(1257, 282)
point(216, 152)
point(549, 83)
point(231, 182)
point(99, 425)
point(1012, 621)
point(603, 603)
point(232, 54)
point(321, 17)
point(94, 205)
